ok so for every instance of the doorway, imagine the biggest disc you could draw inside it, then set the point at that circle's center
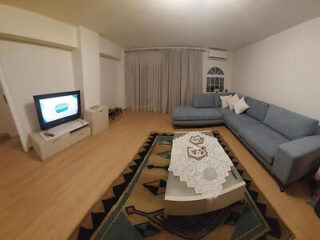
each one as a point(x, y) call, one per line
point(7, 125)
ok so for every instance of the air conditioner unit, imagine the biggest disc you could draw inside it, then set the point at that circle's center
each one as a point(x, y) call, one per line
point(217, 54)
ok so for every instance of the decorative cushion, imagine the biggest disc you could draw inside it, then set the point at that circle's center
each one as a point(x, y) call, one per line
point(231, 101)
point(203, 100)
point(240, 106)
point(217, 99)
point(290, 124)
point(224, 101)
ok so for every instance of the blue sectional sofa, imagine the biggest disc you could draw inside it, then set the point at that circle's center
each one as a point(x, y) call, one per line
point(285, 142)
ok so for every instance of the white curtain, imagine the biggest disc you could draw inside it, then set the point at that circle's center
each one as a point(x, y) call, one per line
point(158, 81)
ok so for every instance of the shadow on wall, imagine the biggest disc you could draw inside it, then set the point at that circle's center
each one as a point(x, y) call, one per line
point(33, 121)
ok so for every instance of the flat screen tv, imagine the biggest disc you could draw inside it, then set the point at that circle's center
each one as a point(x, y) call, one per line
point(57, 108)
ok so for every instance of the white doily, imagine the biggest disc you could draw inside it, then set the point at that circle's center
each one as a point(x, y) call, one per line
point(205, 174)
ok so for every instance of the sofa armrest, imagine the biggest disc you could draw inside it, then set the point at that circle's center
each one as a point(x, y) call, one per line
point(297, 158)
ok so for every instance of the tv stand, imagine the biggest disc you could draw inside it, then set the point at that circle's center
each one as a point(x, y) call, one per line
point(65, 135)
point(62, 129)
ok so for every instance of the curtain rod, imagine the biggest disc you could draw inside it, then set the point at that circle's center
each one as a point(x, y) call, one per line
point(161, 48)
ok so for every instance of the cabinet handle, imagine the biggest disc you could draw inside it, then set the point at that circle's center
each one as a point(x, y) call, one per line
point(81, 133)
point(56, 139)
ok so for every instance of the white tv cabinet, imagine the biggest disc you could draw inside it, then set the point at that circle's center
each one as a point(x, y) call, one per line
point(46, 146)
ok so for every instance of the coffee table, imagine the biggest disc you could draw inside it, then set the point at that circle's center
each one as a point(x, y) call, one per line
point(181, 199)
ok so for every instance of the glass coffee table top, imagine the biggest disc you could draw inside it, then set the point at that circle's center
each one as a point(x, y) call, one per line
point(183, 200)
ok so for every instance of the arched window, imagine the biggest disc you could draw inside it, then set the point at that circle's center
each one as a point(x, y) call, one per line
point(215, 80)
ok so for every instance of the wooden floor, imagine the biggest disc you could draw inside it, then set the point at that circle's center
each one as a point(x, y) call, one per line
point(46, 200)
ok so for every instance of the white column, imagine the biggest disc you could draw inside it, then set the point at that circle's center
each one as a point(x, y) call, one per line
point(86, 60)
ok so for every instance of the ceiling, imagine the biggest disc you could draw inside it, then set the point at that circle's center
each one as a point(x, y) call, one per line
point(224, 24)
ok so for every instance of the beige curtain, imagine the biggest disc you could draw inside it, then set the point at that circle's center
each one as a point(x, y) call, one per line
point(160, 80)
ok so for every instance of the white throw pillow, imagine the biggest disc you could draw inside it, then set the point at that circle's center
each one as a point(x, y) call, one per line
point(224, 100)
point(240, 106)
point(231, 101)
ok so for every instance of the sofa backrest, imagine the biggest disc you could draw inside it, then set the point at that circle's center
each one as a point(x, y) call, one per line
point(203, 100)
point(241, 96)
point(218, 99)
point(257, 109)
point(290, 124)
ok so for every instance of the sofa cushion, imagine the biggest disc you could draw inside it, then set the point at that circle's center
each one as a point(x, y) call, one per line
point(197, 123)
point(241, 96)
point(290, 124)
point(263, 140)
point(224, 110)
point(203, 100)
point(187, 113)
point(238, 121)
point(257, 109)
point(217, 99)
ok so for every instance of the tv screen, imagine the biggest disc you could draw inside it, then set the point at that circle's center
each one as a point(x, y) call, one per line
point(57, 108)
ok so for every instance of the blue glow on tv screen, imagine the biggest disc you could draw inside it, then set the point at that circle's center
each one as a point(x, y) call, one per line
point(57, 108)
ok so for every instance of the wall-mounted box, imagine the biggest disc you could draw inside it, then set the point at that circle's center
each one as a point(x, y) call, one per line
point(217, 54)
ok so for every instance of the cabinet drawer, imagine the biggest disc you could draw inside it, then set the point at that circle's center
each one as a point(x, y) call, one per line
point(80, 134)
point(53, 146)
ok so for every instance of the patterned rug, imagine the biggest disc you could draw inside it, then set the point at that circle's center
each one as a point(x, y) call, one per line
point(132, 208)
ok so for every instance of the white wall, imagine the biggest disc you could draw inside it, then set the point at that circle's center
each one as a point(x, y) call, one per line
point(87, 66)
point(25, 25)
point(224, 65)
point(112, 74)
point(98, 69)
point(110, 49)
point(7, 124)
point(35, 59)
point(112, 82)
point(283, 69)
point(109, 77)
point(29, 70)
point(121, 97)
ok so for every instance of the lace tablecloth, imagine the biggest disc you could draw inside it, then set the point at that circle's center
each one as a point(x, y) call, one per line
point(200, 161)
